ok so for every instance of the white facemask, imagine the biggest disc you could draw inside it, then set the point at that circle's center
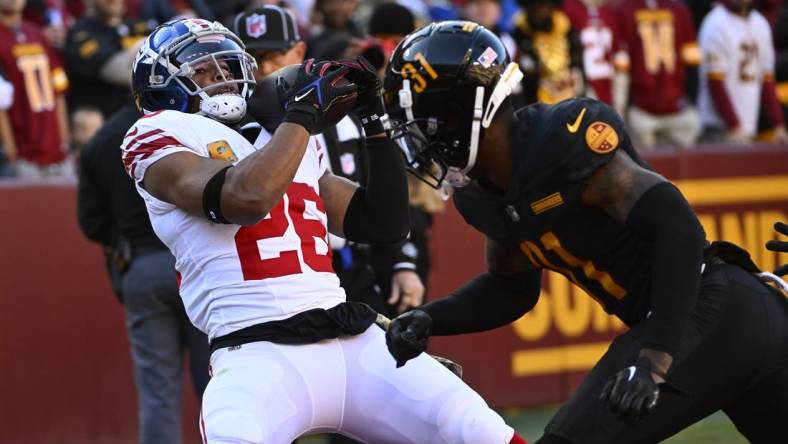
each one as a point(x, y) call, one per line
point(226, 108)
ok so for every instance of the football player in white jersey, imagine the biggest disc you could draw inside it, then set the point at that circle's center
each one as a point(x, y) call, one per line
point(737, 74)
point(248, 227)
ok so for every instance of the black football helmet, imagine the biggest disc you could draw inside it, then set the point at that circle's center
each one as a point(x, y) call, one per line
point(443, 86)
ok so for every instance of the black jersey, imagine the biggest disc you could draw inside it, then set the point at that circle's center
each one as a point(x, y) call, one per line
point(89, 45)
point(556, 151)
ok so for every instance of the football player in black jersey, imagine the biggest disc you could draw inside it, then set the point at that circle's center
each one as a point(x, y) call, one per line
point(561, 188)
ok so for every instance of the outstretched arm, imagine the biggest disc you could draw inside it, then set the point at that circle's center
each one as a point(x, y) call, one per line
point(508, 290)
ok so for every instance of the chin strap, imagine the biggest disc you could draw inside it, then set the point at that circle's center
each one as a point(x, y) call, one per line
point(510, 78)
point(482, 118)
point(406, 100)
point(226, 108)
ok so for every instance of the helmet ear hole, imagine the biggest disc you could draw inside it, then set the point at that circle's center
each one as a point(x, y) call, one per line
point(189, 84)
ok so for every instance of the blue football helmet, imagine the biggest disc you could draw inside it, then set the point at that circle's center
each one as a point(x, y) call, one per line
point(164, 66)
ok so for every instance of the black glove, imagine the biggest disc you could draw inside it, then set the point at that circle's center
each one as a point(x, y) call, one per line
point(779, 246)
point(369, 104)
point(314, 91)
point(407, 335)
point(632, 393)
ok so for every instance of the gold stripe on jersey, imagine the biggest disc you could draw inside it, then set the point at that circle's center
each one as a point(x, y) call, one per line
point(653, 15)
point(546, 203)
point(715, 76)
point(551, 242)
point(690, 53)
point(27, 49)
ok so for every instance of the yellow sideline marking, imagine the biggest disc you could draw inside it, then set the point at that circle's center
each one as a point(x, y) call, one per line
point(746, 189)
point(567, 358)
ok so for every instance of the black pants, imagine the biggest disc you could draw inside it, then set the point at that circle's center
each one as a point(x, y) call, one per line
point(737, 361)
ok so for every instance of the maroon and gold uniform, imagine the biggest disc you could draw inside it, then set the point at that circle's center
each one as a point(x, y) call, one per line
point(660, 39)
point(598, 28)
point(31, 65)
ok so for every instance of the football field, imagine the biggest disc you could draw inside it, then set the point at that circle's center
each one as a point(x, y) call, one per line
point(716, 429)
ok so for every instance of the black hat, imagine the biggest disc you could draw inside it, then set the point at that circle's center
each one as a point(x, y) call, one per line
point(391, 18)
point(268, 27)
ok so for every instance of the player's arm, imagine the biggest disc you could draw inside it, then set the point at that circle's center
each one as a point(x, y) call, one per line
point(7, 140)
point(655, 210)
point(377, 212)
point(62, 120)
point(246, 192)
point(94, 217)
point(508, 290)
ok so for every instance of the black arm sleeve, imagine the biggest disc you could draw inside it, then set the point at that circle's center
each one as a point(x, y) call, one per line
point(663, 217)
point(489, 301)
point(378, 212)
point(692, 82)
point(92, 212)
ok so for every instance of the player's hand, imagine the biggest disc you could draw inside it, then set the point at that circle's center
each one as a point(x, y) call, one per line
point(407, 335)
point(779, 246)
point(780, 135)
point(737, 136)
point(407, 290)
point(369, 104)
point(632, 393)
point(313, 92)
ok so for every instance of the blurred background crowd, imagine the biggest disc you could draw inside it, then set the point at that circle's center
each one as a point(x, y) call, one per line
point(666, 65)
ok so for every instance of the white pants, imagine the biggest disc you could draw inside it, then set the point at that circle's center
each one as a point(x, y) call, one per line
point(271, 393)
point(647, 130)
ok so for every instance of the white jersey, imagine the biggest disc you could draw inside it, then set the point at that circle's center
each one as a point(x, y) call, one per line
point(739, 50)
point(235, 276)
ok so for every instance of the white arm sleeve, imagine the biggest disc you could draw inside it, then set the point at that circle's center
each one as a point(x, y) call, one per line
point(6, 94)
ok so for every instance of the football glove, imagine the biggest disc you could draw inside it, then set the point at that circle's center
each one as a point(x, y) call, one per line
point(407, 335)
point(369, 105)
point(632, 392)
point(779, 246)
point(314, 92)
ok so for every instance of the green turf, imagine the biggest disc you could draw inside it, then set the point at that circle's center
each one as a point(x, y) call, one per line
point(716, 429)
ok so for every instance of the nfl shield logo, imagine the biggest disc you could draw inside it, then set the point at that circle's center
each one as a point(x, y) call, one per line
point(348, 161)
point(255, 25)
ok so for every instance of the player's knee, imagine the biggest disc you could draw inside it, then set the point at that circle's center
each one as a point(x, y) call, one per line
point(470, 420)
point(234, 427)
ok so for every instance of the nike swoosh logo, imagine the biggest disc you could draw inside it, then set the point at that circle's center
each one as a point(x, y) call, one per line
point(298, 98)
point(575, 126)
point(631, 368)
